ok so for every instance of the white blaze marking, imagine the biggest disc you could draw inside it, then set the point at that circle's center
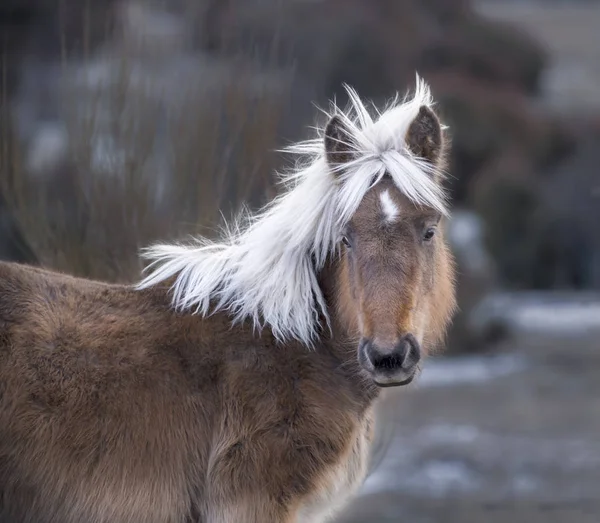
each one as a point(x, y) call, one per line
point(390, 209)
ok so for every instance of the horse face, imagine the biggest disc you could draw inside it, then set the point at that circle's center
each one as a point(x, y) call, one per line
point(395, 288)
point(391, 261)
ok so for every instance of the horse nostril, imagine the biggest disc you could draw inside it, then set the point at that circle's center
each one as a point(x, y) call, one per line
point(405, 355)
point(410, 347)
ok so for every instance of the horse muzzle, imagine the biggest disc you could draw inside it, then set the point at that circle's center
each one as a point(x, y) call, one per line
point(390, 366)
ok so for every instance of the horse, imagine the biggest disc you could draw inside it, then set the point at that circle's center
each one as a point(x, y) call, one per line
point(236, 381)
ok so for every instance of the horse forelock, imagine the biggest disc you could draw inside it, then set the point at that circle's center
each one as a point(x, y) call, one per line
point(264, 268)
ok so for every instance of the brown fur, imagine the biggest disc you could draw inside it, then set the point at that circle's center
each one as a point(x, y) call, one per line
point(391, 282)
point(425, 137)
point(115, 408)
point(375, 305)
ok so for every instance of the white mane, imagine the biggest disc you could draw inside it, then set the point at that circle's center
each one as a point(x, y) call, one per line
point(265, 267)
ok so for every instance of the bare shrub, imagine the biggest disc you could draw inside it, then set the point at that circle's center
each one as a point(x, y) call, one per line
point(155, 148)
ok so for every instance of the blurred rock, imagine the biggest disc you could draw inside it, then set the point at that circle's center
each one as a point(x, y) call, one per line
point(476, 278)
point(497, 53)
point(568, 256)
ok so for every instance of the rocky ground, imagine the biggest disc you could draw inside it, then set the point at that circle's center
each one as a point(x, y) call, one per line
point(569, 31)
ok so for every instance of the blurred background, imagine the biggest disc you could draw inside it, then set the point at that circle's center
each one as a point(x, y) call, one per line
point(127, 121)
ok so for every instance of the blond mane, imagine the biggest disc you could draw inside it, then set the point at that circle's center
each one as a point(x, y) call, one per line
point(264, 267)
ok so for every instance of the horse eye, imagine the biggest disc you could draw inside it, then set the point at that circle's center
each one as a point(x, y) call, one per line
point(345, 241)
point(429, 233)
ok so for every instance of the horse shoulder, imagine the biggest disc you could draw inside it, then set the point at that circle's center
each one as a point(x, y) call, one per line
point(308, 481)
point(340, 481)
point(288, 438)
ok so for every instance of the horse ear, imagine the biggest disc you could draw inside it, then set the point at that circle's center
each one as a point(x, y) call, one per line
point(424, 136)
point(338, 142)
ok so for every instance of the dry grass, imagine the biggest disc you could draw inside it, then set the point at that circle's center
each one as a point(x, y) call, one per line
point(138, 169)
